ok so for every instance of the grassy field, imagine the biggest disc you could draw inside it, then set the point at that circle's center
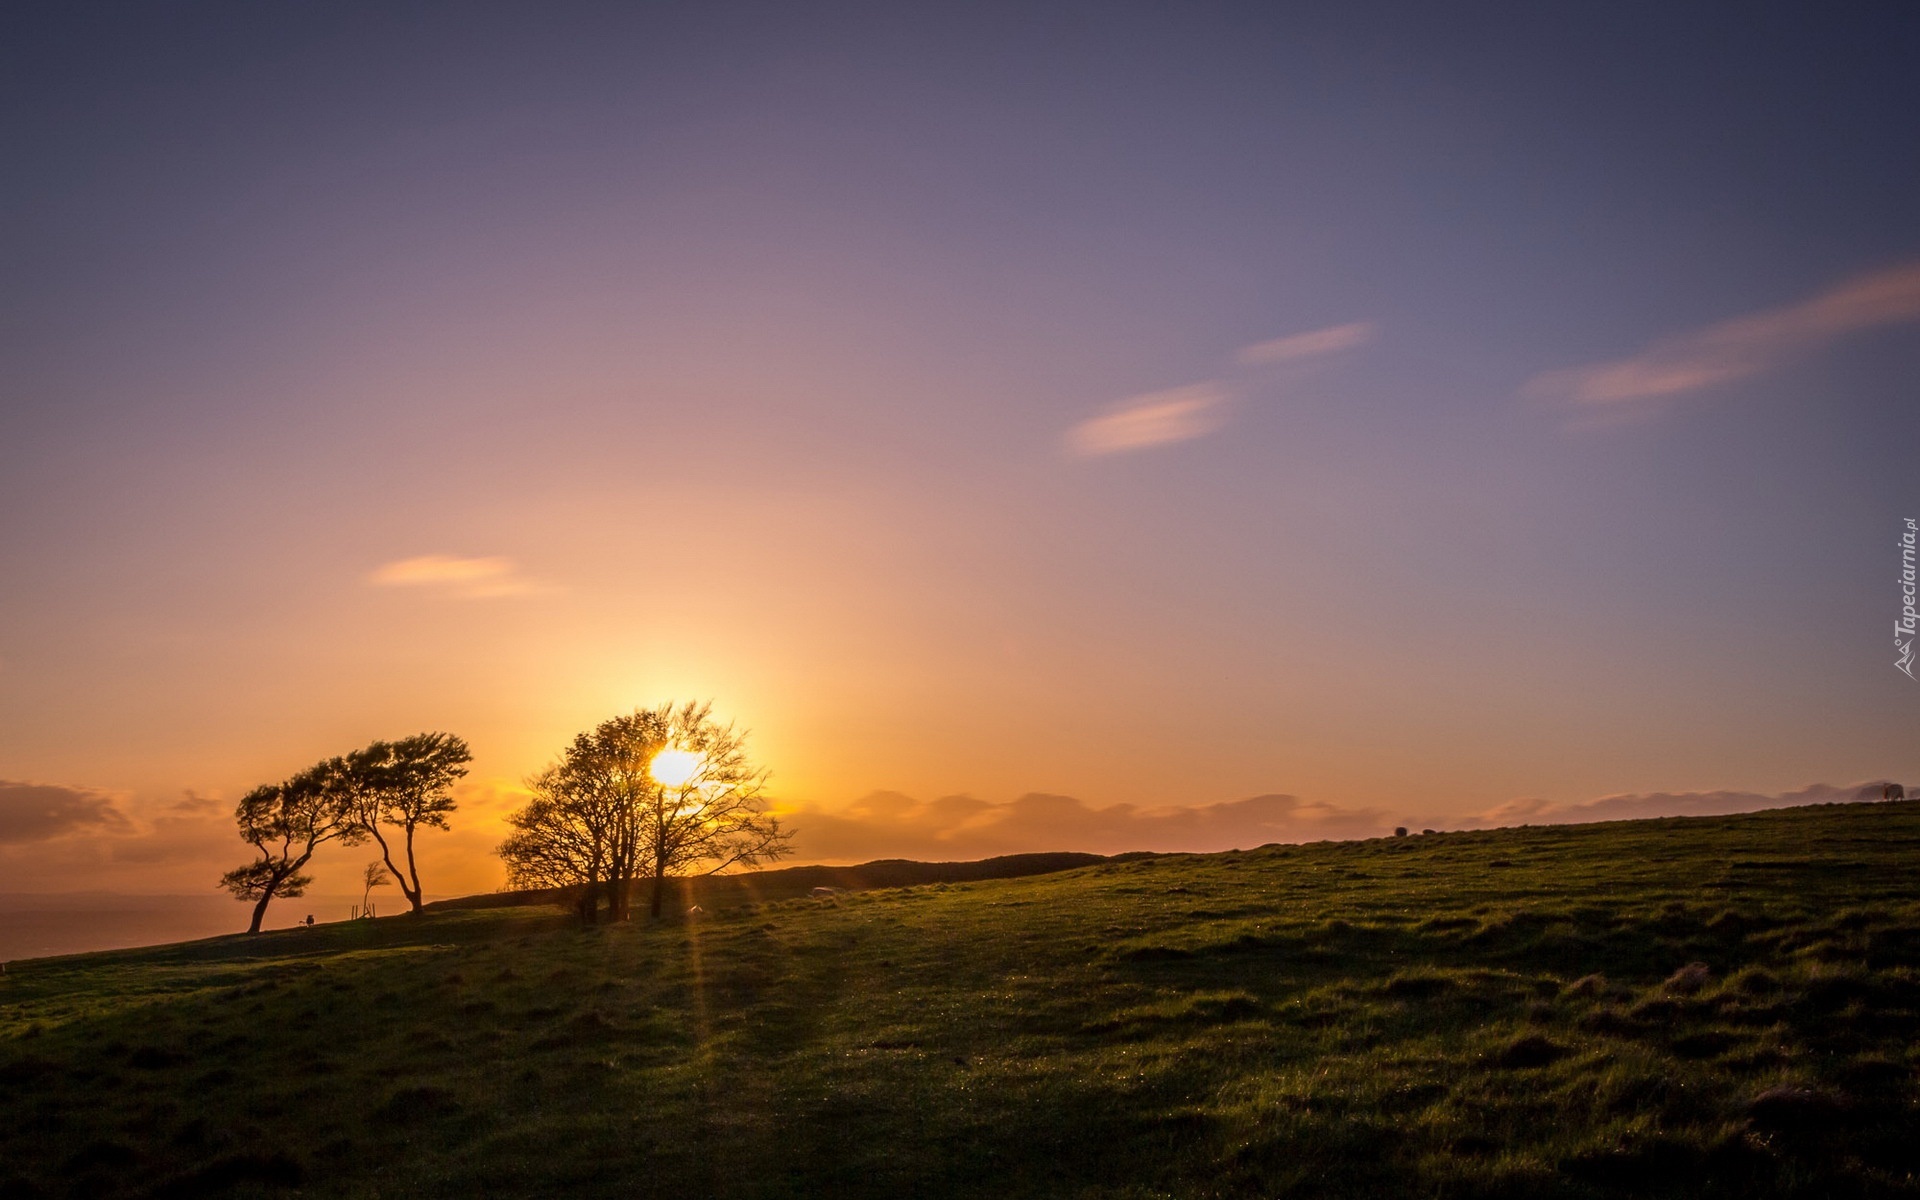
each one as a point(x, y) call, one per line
point(1510, 1013)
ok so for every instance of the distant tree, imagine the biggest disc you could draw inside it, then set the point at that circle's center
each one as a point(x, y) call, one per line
point(375, 875)
point(601, 818)
point(286, 822)
point(407, 786)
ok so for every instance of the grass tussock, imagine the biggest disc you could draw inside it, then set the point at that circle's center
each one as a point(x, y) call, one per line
point(1726, 1007)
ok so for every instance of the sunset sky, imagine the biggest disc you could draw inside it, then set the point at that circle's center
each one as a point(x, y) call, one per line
point(1317, 416)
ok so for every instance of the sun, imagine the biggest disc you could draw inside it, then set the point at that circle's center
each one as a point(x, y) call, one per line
point(674, 767)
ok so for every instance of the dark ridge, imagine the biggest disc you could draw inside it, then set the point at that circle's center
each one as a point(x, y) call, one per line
point(785, 883)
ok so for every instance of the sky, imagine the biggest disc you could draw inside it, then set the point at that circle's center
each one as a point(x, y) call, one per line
point(1043, 425)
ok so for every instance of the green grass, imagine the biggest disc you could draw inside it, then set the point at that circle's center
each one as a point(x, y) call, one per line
point(1468, 1014)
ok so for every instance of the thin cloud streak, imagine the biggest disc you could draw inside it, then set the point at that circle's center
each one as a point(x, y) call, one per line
point(1317, 343)
point(1155, 419)
point(1742, 347)
point(1184, 413)
point(468, 578)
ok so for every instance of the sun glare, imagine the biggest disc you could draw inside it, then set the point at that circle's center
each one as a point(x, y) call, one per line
point(675, 767)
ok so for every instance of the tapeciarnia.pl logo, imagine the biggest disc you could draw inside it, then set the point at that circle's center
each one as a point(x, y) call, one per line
point(1904, 626)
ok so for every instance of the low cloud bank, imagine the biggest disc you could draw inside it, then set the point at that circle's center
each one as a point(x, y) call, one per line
point(57, 838)
point(1671, 804)
point(38, 812)
point(890, 825)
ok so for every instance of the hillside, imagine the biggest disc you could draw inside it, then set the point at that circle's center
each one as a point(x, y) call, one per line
point(785, 883)
point(1505, 1013)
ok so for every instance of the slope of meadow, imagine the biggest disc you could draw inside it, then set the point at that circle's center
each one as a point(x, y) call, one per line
point(1507, 1013)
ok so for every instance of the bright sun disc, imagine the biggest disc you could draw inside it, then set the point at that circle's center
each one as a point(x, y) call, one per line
point(675, 767)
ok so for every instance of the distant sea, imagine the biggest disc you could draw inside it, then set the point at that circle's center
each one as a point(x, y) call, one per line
point(39, 924)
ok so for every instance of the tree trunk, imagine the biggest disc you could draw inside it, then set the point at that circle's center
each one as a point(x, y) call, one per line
point(393, 869)
point(659, 889)
point(260, 912)
point(415, 893)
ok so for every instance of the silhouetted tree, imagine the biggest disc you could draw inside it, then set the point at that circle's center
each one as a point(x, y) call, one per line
point(286, 822)
point(582, 828)
point(599, 818)
point(375, 875)
point(406, 785)
point(708, 811)
point(560, 839)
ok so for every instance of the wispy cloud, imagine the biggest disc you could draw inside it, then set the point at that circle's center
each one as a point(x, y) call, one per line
point(1742, 347)
point(1184, 413)
point(1317, 343)
point(468, 578)
point(1155, 419)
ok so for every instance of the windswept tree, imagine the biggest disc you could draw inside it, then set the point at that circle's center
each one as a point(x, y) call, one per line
point(652, 794)
point(286, 823)
point(375, 875)
point(405, 786)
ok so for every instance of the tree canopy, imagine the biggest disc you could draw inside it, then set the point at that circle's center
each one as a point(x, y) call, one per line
point(601, 818)
point(386, 791)
point(406, 785)
point(287, 822)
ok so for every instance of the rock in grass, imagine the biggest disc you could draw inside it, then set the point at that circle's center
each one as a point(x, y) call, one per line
point(1527, 1053)
point(1587, 985)
point(1689, 979)
point(1789, 1109)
